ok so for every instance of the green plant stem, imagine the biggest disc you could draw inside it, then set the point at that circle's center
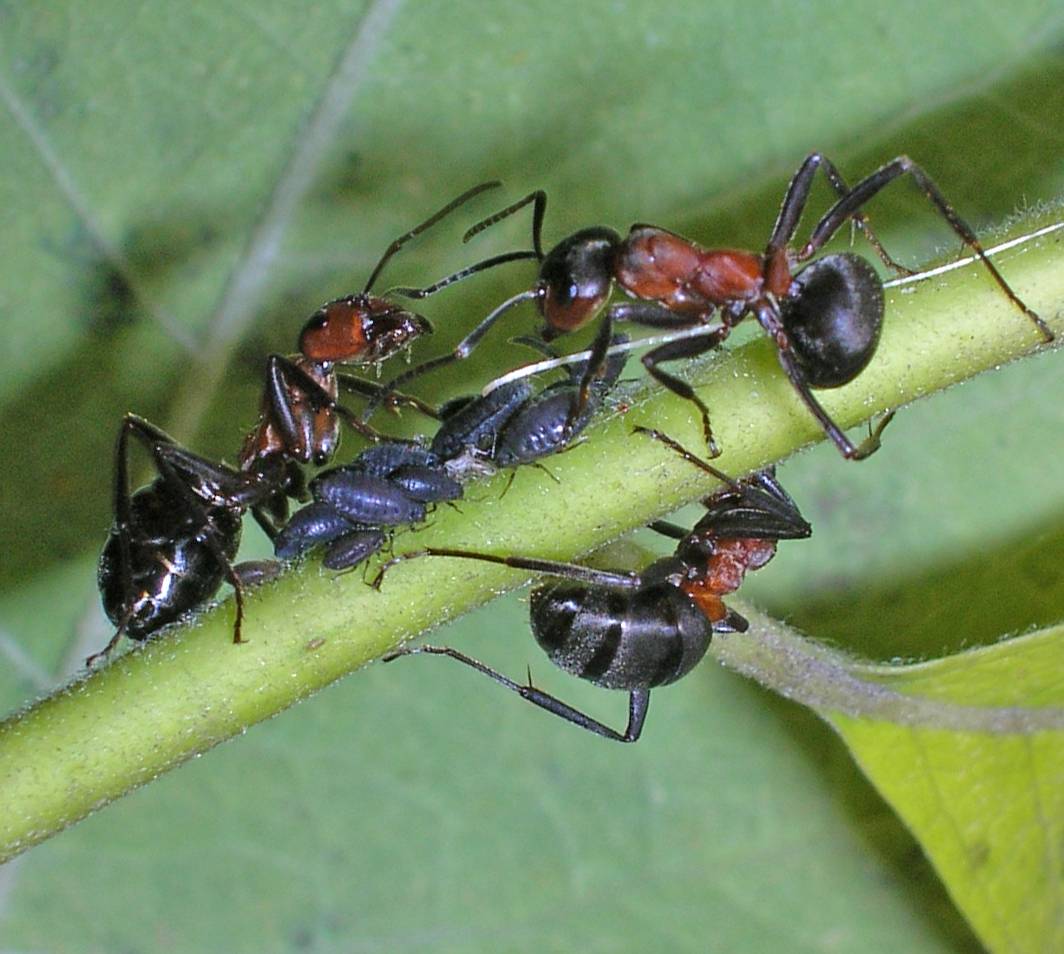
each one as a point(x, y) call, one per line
point(191, 689)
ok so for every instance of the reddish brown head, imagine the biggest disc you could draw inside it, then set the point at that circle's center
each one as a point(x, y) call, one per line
point(359, 328)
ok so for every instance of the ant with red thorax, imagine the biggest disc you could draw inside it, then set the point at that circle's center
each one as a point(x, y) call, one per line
point(824, 319)
point(637, 631)
point(299, 420)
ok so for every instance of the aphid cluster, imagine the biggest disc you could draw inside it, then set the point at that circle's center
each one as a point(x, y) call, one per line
point(173, 541)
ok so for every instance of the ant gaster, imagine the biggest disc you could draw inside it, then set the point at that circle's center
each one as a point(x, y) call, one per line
point(823, 320)
point(173, 542)
point(637, 631)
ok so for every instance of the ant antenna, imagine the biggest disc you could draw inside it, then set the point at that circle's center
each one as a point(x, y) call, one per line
point(427, 224)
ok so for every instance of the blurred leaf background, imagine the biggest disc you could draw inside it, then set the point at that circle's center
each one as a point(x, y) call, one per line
point(183, 184)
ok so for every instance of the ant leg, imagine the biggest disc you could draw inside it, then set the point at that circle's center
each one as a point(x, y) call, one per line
point(539, 210)
point(756, 506)
point(281, 376)
point(851, 204)
point(688, 348)
point(571, 571)
point(462, 350)
point(427, 224)
point(671, 530)
point(788, 359)
point(794, 204)
point(90, 661)
point(394, 399)
point(593, 368)
point(686, 454)
point(638, 701)
point(265, 522)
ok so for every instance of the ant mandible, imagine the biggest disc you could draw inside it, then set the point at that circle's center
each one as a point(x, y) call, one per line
point(824, 320)
point(637, 631)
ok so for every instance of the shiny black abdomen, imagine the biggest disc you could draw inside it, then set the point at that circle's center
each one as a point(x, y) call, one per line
point(173, 569)
point(834, 318)
point(620, 638)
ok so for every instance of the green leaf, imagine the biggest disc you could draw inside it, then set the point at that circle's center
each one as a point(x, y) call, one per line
point(969, 750)
point(403, 808)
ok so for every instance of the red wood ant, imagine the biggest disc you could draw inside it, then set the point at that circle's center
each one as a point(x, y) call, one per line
point(824, 320)
point(637, 631)
point(299, 419)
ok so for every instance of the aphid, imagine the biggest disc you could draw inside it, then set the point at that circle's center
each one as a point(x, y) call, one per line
point(173, 542)
point(355, 506)
point(637, 631)
point(512, 425)
point(824, 320)
point(392, 484)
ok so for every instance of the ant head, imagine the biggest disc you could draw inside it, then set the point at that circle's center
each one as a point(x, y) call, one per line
point(359, 328)
point(833, 317)
point(575, 278)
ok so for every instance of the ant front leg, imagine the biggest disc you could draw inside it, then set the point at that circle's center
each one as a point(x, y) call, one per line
point(594, 368)
point(638, 699)
point(850, 205)
point(283, 377)
point(380, 394)
point(461, 351)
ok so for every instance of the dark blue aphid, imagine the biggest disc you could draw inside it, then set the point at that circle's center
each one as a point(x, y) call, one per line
point(512, 425)
point(386, 486)
point(545, 424)
point(471, 425)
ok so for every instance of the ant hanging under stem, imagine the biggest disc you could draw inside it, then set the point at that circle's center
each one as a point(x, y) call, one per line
point(637, 631)
point(824, 320)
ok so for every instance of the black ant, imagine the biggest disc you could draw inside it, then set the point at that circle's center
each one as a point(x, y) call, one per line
point(300, 417)
point(173, 542)
point(637, 631)
point(823, 320)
